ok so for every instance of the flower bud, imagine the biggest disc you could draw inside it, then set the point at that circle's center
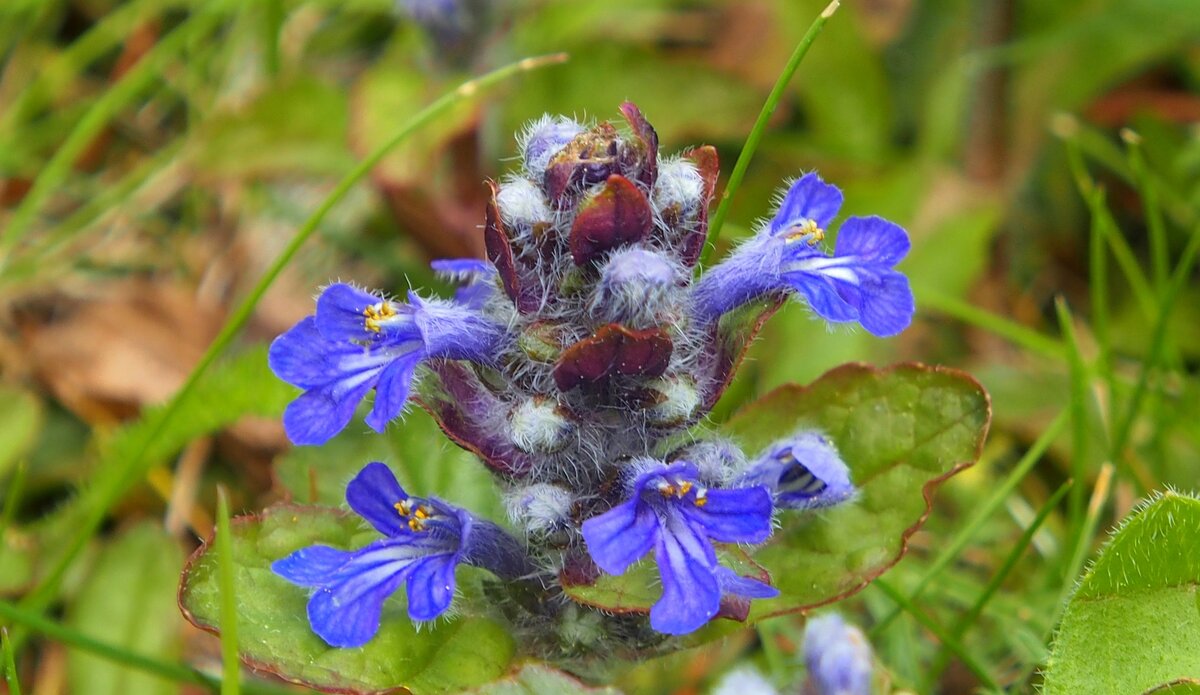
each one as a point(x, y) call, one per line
point(543, 139)
point(635, 287)
point(540, 508)
point(539, 425)
point(675, 399)
point(679, 192)
point(523, 209)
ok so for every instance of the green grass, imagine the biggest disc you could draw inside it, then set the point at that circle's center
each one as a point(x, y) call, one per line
point(1076, 307)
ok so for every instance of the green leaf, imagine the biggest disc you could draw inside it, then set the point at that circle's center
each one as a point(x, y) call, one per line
point(1183, 686)
point(128, 601)
point(1134, 621)
point(425, 462)
point(273, 631)
point(538, 679)
point(902, 431)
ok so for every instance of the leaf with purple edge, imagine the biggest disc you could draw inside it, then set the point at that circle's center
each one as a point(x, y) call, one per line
point(902, 431)
point(466, 651)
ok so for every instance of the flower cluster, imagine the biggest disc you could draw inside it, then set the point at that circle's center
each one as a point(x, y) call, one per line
point(570, 362)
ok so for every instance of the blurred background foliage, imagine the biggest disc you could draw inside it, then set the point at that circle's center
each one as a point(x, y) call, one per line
point(156, 155)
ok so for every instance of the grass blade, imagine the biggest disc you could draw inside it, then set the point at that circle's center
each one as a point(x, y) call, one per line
point(1079, 413)
point(940, 632)
point(10, 664)
point(178, 673)
point(998, 325)
point(757, 131)
point(968, 619)
point(964, 536)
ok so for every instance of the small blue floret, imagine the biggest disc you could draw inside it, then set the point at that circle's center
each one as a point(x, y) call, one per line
point(671, 512)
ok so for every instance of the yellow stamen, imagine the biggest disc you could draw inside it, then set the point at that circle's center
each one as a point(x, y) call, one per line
point(684, 488)
point(377, 313)
point(416, 524)
point(808, 229)
point(401, 508)
point(666, 489)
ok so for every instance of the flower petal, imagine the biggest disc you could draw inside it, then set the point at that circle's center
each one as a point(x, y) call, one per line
point(691, 595)
point(373, 494)
point(431, 586)
point(809, 198)
point(345, 612)
point(619, 537)
point(312, 566)
point(823, 298)
point(885, 302)
point(319, 414)
point(733, 583)
point(732, 516)
point(301, 357)
point(391, 393)
point(873, 240)
point(340, 313)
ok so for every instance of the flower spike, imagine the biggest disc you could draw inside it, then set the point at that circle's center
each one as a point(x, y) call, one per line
point(424, 542)
point(358, 341)
point(856, 283)
point(671, 512)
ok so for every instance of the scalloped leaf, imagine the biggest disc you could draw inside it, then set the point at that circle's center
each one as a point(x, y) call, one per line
point(273, 631)
point(1134, 622)
point(902, 431)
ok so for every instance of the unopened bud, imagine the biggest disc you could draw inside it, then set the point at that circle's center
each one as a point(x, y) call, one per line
point(540, 508)
point(676, 400)
point(538, 426)
point(679, 192)
point(543, 139)
point(635, 286)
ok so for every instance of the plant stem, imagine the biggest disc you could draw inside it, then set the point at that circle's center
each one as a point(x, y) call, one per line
point(230, 666)
point(758, 130)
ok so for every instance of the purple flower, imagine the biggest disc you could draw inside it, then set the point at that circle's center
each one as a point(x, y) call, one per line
point(802, 472)
point(856, 283)
point(425, 540)
point(545, 138)
point(358, 341)
point(838, 657)
point(671, 512)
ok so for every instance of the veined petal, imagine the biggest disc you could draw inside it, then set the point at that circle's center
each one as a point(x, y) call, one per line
point(619, 537)
point(691, 595)
point(822, 295)
point(312, 566)
point(462, 270)
point(319, 414)
point(341, 313)
point(732, 516)
point(391, 392)
point(431, 586)
point(303, 357)
point(373, 495)
point(809, 198)
point(885, 302)
point(345, 612)
point(873, 241)
point(733, 583)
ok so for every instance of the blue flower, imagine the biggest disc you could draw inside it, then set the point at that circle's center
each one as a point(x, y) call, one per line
point(838, 657)
point(857, 283)
point(358, 341)
point(425, 540)
point(670, 512)
point(802, 472)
